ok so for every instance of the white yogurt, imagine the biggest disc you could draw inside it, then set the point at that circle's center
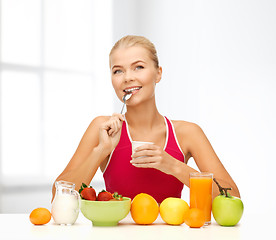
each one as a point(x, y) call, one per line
point(136, 144)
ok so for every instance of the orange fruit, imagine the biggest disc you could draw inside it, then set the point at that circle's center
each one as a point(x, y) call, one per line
point(144, 209)
point(195, 218)
point(40, 216)
point(173, 210)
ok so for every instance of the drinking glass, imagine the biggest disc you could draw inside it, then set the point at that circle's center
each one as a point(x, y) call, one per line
point(201, 193)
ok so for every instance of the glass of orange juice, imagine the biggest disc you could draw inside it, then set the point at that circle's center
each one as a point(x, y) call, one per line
point(201, 193)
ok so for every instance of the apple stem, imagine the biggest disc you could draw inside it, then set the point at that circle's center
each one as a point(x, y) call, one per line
point(223, 191)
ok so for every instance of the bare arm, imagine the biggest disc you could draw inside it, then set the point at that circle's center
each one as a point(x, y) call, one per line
point(98, 141)
point(194, 142)
point(206, 159)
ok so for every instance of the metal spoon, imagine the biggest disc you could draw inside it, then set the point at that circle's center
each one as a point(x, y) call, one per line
point(125, 98)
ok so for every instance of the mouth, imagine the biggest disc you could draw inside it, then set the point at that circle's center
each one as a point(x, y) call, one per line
point(132, 90)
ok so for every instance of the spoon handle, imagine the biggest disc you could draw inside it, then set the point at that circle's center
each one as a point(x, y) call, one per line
point(123, 106)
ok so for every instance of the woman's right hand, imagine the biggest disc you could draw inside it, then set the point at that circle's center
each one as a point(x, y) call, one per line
point(110, 132)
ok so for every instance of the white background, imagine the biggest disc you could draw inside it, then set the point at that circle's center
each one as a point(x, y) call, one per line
point(219, 71)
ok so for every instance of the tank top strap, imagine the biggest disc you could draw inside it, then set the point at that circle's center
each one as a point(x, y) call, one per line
point(124, 139)
point(172, 139)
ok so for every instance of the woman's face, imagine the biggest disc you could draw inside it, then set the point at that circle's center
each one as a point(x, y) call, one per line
point(132, 70)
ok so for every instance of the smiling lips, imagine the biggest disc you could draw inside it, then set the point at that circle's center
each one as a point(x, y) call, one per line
point(132, 90)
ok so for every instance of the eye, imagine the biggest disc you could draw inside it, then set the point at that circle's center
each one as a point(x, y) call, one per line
point(117, 71)
point(139, 67)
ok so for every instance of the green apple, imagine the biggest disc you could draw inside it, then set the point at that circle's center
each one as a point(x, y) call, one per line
point(227, 210)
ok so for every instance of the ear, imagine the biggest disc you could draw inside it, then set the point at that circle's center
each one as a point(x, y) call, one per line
point(159, 75)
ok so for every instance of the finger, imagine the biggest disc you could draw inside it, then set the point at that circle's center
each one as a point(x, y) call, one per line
point(145, 165)
point(107, 125)
point(119, 116)
point(142, 160)
point(122, 117)
point(110, 131)
point(113, 134)
point(112, 128)
point(117, 123)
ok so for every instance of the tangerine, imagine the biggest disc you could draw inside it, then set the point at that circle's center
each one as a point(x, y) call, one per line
point(40, 216)
point(144, 209)
point(195, 218)
point(173, 210)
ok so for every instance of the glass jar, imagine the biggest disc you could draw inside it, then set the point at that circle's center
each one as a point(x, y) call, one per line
point(66, 204)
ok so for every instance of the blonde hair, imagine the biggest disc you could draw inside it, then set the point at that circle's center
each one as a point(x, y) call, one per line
point(131, 41)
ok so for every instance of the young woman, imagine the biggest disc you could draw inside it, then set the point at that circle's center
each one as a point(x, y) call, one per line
point(159, 169)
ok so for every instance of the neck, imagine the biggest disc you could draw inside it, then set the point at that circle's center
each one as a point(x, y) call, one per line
point(143, 115)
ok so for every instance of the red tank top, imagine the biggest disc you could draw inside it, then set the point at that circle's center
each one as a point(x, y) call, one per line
point(122, 177)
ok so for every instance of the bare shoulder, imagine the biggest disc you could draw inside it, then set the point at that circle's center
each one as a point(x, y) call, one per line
point(91, 136)
point(95, 125)
point(190, 136)
point(88, 141)
point(99, 120)
point(186, 129)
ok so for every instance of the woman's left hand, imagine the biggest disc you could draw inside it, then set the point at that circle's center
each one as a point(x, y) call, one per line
point(153, 156)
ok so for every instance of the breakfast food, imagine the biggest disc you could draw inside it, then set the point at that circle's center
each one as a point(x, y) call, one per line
point(144, 209)
point(40, 216)
point(89, 193)
point(173, 210)
point(104, 196)
point(117, 196)
point(195, 218)
point(227, 210)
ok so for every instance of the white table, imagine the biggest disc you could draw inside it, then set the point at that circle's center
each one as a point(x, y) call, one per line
point(18, 226)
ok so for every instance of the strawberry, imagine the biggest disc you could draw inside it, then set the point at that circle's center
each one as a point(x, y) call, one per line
point(104, 196)
point(87, 192)
point(118, 197)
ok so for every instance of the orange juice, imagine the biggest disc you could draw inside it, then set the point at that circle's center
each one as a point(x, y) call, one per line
point(201, 193)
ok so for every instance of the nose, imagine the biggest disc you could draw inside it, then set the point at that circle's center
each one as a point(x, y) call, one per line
point(128, 76)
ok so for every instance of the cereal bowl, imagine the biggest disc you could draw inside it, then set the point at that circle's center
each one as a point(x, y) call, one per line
point(105, 213)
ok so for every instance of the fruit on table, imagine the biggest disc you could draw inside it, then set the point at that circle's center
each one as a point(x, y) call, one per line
point(144, 209)
point(104, 196)
point(87, 192)
point(227, 210)
point(40, 216)
point(195, 218)
point(173, 210)
point(117, 196)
